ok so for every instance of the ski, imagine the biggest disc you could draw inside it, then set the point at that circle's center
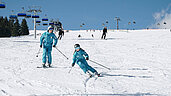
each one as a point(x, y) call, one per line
point(92, 76)
point(45, 67)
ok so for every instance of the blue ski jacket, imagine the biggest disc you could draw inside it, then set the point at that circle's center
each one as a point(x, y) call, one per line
point(79, 56)
point(47, 39)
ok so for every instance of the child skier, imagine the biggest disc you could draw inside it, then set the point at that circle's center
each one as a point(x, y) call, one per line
point(47, 40)
point(79, 58)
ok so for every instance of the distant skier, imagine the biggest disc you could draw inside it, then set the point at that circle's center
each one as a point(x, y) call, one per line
point(47, 40)
point(79, 36)
point(92, 35)
point(60, 34)
point(58, 25)
point(104, 33)
point(79, 58)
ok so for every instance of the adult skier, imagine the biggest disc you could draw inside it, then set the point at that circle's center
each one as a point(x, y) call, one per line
point(47, 39)
point(80, 57)
point(60, 34)
point(104, 33)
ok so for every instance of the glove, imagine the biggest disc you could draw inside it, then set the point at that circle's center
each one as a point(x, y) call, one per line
point(40, 46)
point(87, 58)
point(73, 64)
point(54, 46)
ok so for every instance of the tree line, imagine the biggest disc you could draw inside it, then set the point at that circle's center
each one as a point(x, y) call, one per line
point(12, 27)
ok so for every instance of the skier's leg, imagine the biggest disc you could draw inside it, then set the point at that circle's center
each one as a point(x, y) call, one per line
point(82, 66)
point(44, 55)
point(102, 37)
point(60, 37)
point(105, 36)
point(49, 55)
point(91, 69)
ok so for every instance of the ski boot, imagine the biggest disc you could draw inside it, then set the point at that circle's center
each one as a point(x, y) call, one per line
point(49, 65)
point(96, 73)
point(90, 75)
point(44, 66)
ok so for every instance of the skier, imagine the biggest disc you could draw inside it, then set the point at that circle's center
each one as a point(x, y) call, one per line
point(79, 58)
point(60, 34)
point(104, 33)
point(47, 40)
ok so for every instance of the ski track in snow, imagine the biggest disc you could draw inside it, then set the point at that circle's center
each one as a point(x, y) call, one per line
point(139, 61)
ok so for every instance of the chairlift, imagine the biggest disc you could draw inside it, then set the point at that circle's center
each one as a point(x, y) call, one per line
point(51, 23)
point(28, 16)
point(2, 5)
point(38, 21)
point(45, 24)
point(13, 16)
point(44, 19)
point(21, 14)
point(35, 16)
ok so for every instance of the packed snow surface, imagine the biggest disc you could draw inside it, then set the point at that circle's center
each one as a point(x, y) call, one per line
point(139, 62)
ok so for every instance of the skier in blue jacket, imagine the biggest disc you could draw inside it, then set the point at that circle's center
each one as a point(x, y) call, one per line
point(47, 39)
point(80, 57)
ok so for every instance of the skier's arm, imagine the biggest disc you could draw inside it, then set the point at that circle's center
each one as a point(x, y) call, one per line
point(41, 39)
point(55, 39)
point(74, 59)
point(86, 55)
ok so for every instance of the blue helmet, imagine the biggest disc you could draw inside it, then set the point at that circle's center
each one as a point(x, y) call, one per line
point(50, 28)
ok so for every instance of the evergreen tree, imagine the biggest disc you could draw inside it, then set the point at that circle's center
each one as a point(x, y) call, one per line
point(24, 28)
point(16, 29)
point(11, 25)
point(1, 26)
point(7, 31)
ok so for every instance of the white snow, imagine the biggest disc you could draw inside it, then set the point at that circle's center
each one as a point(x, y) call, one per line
point(140, 62)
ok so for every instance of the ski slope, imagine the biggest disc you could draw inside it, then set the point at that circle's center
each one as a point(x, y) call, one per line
point(140, 62)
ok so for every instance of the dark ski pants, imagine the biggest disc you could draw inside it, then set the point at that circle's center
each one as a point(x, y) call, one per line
point(103, 36)
point(60, 37)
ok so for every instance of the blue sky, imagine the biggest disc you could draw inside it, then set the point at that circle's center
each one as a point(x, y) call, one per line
point(93, 13)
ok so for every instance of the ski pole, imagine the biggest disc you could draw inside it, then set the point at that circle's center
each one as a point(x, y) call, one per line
point(99, 64)
point(38, 52)
point(61, 53)
point(70, 70)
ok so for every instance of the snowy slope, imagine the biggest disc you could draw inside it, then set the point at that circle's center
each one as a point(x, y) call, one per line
point(140, 62)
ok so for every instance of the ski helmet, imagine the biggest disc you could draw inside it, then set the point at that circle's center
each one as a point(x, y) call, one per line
point(50, 28)
point(77, 46)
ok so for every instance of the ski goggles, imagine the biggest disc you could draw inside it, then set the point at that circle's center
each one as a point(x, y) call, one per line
point(50, 28)
point(77, 48)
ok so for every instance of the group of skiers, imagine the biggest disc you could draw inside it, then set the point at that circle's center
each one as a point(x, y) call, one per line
point(79, 56)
